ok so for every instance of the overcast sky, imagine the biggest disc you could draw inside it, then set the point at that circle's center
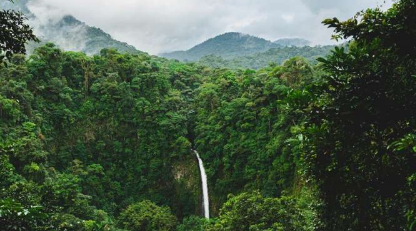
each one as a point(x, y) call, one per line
point(158, 26)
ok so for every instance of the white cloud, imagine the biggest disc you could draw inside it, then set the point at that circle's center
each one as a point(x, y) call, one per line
point(288, 17)
point(165, 25)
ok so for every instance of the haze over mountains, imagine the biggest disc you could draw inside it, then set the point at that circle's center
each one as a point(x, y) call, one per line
point(67, 32)
point(240, 51)
point(231, 45)
point(295, 42)
point(228, 45)
point(231, 50)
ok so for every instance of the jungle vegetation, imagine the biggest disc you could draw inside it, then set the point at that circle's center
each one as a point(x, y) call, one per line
point(104, 142)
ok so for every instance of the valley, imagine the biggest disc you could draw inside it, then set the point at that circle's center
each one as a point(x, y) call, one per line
point(238, 133)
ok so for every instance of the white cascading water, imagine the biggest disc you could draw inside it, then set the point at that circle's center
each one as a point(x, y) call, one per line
point(204, 185)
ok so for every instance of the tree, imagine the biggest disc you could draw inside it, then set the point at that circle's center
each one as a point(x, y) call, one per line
point(358, 138)
point(296, 71)
point(16, 217)
point(147, 216)
point(194, 223)
point(253, 212)
point(14, 33)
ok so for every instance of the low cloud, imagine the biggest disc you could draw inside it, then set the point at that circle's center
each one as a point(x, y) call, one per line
point(158, 26)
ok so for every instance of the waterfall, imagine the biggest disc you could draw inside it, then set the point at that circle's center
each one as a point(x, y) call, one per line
point(204, 185)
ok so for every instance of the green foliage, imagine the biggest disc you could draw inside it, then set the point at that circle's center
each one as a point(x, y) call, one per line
point(253, 212)
point(81, 133)
point(261, 60)
point(16, 217)
point(147, 216)
point(14, 33)
point(323, 147)
point(242, 129)
point(194, 223)
point(358, 144)
point(107, 131)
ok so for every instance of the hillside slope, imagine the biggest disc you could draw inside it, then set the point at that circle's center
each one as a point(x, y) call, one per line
point(68, 33)
point(228, 45)
point(263, 59)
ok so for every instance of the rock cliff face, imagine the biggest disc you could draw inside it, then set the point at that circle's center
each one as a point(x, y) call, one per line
point(188, 185)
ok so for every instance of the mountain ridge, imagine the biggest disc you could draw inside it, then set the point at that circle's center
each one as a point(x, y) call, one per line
point(227, 45)
point(69, 33)
point(231, 45)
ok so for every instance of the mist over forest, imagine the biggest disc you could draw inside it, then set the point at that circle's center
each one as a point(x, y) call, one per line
point(236, 116)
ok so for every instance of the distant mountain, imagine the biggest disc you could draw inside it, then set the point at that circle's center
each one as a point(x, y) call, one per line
point(228, 46)
point(263, 59)
point(295, 42)
point(69, 33)
point(74, 35)
point(241, 51)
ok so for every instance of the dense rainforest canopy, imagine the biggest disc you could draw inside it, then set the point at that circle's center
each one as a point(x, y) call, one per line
point(104, 142)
